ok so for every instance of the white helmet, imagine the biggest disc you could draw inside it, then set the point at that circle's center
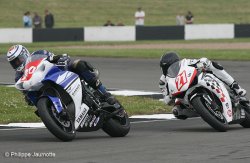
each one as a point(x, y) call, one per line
point(17, 56)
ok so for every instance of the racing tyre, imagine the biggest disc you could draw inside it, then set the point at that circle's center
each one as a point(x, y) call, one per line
point(208, 116)
point(59, 126)
point(117, 126)
point(246, 122)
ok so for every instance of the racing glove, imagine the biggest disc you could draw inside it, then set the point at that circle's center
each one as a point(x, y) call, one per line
point(63, 60)
point(53, 58)
point(203, 64)
point(59, 60)
point(163, 86)
point(165, 92)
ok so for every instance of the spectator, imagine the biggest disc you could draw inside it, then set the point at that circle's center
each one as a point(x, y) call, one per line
point(49, 19)
point(108, 23)
point(27, 21)
point(189, 18)
point(139, 17)
point(180, 19)
point(37, 21)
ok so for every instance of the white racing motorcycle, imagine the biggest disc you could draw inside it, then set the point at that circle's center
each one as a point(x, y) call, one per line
point(67, 104)
point(199, 93)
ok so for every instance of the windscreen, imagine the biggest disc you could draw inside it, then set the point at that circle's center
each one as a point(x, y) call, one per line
point(173, 70)
point(35, 57)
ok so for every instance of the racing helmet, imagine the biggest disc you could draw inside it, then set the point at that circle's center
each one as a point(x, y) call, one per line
point(17, 55)
point(167, 60)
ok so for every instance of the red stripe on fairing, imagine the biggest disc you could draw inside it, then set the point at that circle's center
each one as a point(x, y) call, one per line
point(27, 74)
point(191, 80)
point(175, 94)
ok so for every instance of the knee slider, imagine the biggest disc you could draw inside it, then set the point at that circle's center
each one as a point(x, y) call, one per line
point(217, 65)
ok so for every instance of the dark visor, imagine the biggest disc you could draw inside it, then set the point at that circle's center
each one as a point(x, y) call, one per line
point(20, 60)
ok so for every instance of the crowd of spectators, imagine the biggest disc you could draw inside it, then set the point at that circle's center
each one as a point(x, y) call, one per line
point(36, 21)
point(139, 19)
point(180, 18)
point(139, 16)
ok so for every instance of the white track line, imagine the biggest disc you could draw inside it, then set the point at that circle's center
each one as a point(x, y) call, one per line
point(151, 118)
point(149, 121)
point(132, 93)
point(154, 116)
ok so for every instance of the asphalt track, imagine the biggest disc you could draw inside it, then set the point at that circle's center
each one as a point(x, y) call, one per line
point(156, 141)
point(135, 74)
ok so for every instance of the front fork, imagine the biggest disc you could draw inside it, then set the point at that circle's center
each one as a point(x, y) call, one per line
point(212, 106)
point(240, 105)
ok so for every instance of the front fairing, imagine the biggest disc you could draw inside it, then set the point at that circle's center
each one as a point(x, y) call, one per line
point(33, 76)
point(181, 77)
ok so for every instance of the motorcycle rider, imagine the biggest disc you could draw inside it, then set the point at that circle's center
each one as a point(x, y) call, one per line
point(17, 55)
point(203, 64)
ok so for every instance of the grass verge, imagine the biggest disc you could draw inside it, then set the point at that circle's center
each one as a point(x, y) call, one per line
point(63, 47)
point(14, 109)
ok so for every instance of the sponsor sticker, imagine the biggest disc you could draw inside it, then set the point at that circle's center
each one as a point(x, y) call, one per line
point(82, 115)
point(229, 113)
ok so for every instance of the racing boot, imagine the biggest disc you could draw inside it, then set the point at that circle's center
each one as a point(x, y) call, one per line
point(105, 95)
point(109, 98)
point(237, 89)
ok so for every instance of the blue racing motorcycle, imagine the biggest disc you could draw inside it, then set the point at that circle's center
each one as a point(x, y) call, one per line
point(66, 104)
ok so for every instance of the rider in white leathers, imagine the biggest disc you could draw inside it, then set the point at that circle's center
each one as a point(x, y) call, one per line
point(203, 63)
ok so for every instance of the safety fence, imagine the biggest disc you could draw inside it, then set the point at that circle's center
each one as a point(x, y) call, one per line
point(125, 33)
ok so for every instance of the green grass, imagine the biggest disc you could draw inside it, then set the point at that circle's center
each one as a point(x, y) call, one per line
point(157, 53)
point(80, 50)
point(79, 13)
point(14, 109)
point(141, 105)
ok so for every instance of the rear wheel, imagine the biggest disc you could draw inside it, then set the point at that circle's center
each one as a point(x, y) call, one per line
point(117, 126)
point(213, 117)
point(59, 125)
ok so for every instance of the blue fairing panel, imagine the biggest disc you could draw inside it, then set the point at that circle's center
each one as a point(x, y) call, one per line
point(62, 78)
point(57, 103)
point(53, 71)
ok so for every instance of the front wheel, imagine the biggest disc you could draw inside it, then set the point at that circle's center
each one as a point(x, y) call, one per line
point(60, 126)
point(117, 126)
point(213, 118)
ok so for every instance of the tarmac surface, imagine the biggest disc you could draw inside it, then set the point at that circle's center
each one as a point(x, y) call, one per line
point(157, 141)
point(135, 74)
